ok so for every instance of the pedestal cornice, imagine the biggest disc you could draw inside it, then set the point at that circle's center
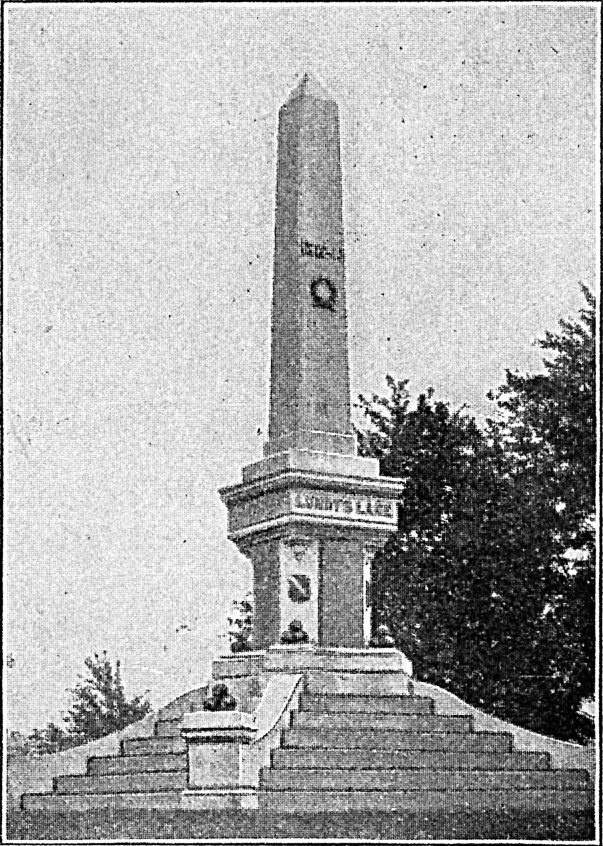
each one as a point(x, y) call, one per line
point(312, 500)
point(390, 487)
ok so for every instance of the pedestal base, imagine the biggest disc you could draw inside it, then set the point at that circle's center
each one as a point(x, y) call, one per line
point(315, 661)
point(310, 523)
point(214, 741)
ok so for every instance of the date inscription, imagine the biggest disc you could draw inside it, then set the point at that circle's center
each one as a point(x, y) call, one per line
point(321, 251)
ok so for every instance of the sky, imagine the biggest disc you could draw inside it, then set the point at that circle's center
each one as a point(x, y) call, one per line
point(139, 163)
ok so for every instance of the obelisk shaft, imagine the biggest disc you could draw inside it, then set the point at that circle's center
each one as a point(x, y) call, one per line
point(310, 390)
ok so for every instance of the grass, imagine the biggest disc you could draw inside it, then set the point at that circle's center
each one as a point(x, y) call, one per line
point(233, 824)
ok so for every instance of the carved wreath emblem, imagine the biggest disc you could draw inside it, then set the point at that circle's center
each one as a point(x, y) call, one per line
point(324, 293)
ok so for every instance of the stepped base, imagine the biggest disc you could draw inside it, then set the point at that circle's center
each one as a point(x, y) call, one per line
point(352, 703)
point(153, 746)
point(57, 802)
point(417, 723)
point(423, 779)
point(121, 765)
point(380, 759)
point(420, 800)
point(375, 739)
point(168, 728)
point(333, 731)
point(137, 782)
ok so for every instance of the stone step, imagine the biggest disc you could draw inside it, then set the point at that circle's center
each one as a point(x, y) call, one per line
point(378, 684)
point(61, 802)
point(127, 783)
point(381, 760)
point(121, 764)
point(361, 703)
point(153, 746)
point(168, 728)
point(388, 739)
point(421, 800)
point(395, 780)
point(399, 722)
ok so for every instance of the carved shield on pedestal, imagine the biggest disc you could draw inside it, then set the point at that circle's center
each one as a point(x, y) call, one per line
point(299, 588)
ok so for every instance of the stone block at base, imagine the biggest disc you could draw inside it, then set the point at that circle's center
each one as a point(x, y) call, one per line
point(358, 683)
point(205, 799)
point(309, 658)
point(295, 659)
point(213, 764)
point(218, 726)
point(213, 741)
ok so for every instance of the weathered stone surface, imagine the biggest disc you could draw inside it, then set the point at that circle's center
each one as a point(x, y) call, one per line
point(360, 682)
point(398, 722)
point(118, 765)
point(563, 754)
point(212, 726)
point(168, 728)
point(353, 661)
point(380, 759)
point(131, 782)
point(365, 704)
point(153, 746)
point(424, 779)
point(387, 739)
point(213, 764)
point(214, 740)
point(309, 380)
point(313, 462)
point(247, 664)
point(419, 800)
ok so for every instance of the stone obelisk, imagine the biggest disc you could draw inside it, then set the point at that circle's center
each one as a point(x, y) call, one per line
point(311, 514)
point(309, 389)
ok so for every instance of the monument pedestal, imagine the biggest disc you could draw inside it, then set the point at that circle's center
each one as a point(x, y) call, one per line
point(213, 742)
point(311, 522)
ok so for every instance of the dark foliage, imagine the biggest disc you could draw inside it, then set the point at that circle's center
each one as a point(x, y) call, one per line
point(99, 705)
point(488, 585)
point(241, 625)
point(99, 708)
point(53, 738)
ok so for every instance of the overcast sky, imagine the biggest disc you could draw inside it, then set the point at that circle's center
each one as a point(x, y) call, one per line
point(140, 162)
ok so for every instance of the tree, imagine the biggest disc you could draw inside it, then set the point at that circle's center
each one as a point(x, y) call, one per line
point(441, 454)
point(99, 708)
point(476, 585)
point(241, 625)
point(550, 421)
point(53, 738)
point(550, 429)
point(17, 743)
point(99, 705)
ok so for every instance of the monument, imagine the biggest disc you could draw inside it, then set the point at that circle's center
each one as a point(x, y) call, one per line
point(311, 514)
point(315, 718)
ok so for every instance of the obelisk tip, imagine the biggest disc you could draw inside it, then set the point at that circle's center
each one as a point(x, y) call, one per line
point(310, 86)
